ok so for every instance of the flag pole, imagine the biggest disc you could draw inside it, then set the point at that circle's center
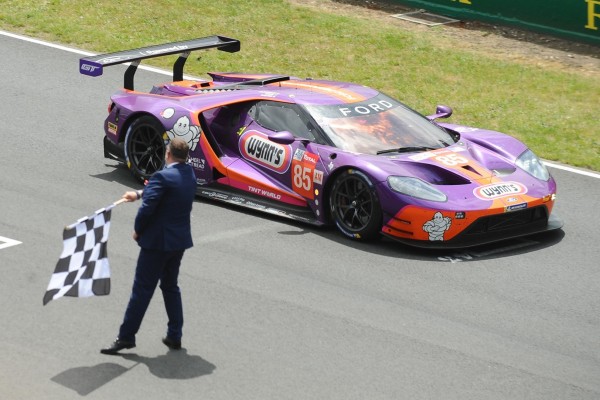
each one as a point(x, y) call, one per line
point(116, 203)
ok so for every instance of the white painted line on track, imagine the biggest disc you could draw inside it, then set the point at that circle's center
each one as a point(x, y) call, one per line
point(164, 72)
point(80, 52)
point(591, 174)
point(8, 242)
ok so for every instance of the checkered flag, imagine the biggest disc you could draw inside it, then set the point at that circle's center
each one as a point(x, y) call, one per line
point(82, 269)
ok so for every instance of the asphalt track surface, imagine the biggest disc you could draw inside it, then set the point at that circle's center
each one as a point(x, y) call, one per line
point(274, 309)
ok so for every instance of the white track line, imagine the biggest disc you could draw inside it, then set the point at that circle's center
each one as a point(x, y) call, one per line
point(574, 170)
point(77, 51)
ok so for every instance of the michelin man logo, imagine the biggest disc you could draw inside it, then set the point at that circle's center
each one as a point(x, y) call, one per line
point(183, 130)
point(437, 226)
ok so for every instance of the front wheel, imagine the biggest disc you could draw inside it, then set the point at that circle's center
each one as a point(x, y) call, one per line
point(145, 147)
point(355, 206)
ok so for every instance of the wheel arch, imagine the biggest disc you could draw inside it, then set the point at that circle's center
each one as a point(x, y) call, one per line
point(131, 119)
point(349, 213)
point(330, 182)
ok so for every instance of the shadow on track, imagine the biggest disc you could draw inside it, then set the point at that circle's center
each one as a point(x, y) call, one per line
point(172, 365)
point(390, 248)
point(385, 246)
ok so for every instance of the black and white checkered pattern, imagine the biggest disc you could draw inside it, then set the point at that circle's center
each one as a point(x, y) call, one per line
point(83, 270)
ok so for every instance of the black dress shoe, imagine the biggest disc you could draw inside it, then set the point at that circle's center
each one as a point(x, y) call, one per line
point(117, 346)
point(172, 344)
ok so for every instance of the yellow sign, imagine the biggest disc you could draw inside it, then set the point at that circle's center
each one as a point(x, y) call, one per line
point(593, 13)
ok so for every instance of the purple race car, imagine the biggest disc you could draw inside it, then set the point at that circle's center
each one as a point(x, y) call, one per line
point(327, 152)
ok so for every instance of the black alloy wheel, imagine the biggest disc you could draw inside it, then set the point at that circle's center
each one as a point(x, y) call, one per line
point(145, 147)
point(355, 206)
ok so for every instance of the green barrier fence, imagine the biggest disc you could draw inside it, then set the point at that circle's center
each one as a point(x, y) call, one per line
point(577, 20)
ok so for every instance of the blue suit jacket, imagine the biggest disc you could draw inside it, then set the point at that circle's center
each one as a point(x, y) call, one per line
point(163, 219)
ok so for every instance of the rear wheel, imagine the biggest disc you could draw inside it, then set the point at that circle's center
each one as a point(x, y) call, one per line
point(145, 147)
point(355, 206)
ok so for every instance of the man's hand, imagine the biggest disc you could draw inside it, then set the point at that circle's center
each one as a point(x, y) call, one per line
point(131, 196)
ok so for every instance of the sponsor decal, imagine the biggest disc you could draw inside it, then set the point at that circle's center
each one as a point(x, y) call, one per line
point(264, 192)
point(111, 59)
point(464, 129)
point(460, 215)
point(241, 130)
point(182, 129)
point(216, 195)
point(310, 158)
point(257, 148)
point(163, 50)
point(269, 94)
point(298, 154)
point(422, 156)
point(167, 112)
point(255, 205)
point(92, 69)
point(112, 128)
point(437, 226)
point(197, 163)
point(515, 207)
point(277, 211)
point(366, 108)
point(304, 173)
point(318, 177)
point(451, 160)
point(498, 190)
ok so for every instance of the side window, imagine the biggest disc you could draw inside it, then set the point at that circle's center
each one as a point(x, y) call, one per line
point(279, 117)
point(225, 120)
point(221, 124)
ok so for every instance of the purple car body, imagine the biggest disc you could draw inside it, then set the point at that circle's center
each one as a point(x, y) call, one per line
point(327, 152)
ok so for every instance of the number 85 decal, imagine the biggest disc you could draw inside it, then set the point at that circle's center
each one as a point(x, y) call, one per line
point(452, 159)
point(302, 177)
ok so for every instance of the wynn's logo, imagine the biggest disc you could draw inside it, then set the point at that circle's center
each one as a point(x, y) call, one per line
point(496, 190)
point(256, 147)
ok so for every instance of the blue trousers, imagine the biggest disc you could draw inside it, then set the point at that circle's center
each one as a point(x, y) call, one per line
point(154, 266)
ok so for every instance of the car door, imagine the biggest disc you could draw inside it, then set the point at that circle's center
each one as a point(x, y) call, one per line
point(281, 171)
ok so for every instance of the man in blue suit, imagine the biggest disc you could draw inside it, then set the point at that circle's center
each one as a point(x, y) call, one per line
point(162, 230)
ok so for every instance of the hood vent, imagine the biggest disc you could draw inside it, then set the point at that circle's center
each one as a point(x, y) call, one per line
point(471, 169)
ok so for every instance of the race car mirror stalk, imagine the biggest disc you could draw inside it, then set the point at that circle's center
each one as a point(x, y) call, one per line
point(283, 137)
point(441, 112)
point(93, 65)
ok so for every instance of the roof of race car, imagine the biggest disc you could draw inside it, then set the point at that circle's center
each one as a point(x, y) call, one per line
point(233, 87)
point(230, 87)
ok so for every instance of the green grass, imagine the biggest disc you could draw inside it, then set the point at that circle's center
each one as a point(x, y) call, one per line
point(555, 113)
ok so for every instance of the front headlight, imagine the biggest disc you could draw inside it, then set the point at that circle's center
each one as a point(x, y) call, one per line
point(415, 187)
point(533, 165)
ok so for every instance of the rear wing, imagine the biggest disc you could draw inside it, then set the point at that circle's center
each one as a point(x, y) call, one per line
point(94, 65)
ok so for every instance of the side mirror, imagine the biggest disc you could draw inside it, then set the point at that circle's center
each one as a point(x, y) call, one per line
point(441, 112)
point(283, 137)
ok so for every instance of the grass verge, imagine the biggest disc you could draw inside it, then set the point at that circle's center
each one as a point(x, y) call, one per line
point(555, 113)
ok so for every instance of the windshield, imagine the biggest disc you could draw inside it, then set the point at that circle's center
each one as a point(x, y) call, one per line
point(380, 124)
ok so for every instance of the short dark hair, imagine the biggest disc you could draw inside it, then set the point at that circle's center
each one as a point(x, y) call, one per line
point(179, 149)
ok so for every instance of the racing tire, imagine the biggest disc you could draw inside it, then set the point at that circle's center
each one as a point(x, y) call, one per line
point(355, 206)
point(145, 147)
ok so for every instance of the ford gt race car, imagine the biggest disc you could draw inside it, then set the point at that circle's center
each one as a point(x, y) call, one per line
point(326, 152)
